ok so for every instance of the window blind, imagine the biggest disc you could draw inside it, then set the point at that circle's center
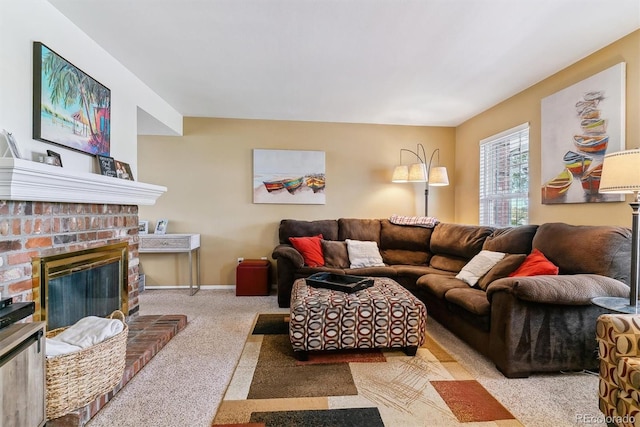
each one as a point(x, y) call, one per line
point(504, 178)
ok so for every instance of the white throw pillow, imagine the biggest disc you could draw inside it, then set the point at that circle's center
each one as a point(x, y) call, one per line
point(363, 254)
point(478, 266)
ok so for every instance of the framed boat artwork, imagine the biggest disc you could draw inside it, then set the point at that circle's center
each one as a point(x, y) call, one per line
point(289, 176)
point(70, 109)
point(580, 124)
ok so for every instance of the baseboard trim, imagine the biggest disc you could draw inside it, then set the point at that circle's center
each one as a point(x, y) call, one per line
point(209, 287)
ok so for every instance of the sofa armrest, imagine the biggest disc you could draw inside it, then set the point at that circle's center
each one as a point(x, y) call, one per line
point(290, 253)
point(574, 289)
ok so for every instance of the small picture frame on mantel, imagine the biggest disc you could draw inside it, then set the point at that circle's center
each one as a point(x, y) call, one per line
point(56, 158)
point(123, 170)
point(107, 166)
point(12, 145)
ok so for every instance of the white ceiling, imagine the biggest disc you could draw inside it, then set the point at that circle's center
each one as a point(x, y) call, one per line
point(414, 62)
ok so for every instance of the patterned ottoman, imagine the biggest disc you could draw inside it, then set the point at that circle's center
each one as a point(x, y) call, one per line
point(384, 315)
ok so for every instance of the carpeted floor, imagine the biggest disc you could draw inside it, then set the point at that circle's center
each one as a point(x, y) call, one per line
point(184, 384)
point(351, 388)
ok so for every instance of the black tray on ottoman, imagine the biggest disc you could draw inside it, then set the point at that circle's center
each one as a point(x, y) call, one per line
point(339, 282)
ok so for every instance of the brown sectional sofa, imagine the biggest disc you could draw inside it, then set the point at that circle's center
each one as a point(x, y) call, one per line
point(523, 324)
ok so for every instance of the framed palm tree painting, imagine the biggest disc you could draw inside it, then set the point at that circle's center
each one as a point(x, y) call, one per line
point(70, 108)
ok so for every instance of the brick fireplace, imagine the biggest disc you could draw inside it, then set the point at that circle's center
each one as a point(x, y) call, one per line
point(31, 229)
point(47, 210)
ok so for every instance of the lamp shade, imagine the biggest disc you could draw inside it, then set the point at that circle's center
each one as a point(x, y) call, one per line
point(621, 172)
point(400, 174)
point(417, 172)
point(438, 176)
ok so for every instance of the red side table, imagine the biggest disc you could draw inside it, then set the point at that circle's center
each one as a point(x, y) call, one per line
point(252, 277)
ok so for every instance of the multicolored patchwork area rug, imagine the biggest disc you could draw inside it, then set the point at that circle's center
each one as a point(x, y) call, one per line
point(351, 388)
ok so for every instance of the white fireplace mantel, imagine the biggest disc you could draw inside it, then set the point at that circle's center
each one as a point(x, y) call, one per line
point(32, 181)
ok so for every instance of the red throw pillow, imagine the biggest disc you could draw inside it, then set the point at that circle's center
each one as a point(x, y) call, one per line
point(310, 248)
point(534, 265)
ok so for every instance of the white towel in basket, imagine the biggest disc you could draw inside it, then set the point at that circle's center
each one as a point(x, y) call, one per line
point(89, 331)
point(56, 348)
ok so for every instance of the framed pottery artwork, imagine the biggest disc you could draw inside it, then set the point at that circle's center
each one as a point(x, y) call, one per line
point(70, 108)
point(289, 176)
point(580, 124)
point(107, 166)
point(123, 170)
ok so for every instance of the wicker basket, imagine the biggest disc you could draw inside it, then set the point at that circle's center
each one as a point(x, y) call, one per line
point(78, 378)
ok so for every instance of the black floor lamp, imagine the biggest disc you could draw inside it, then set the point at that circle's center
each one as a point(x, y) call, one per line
point(422, 172)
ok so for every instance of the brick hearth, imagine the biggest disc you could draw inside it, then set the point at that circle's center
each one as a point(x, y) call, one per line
point(147, 335)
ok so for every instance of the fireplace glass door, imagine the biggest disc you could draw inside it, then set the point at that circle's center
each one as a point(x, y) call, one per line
point(91, 292)
point(74, 285)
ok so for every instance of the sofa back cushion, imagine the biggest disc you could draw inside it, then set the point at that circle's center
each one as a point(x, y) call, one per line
point(359, 229)
point(296, 228)
point(576, 249)
point(464, 241)
point(404, 244)
point(511, 240)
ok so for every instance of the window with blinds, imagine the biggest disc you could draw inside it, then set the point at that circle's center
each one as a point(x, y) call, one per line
point(504, 178)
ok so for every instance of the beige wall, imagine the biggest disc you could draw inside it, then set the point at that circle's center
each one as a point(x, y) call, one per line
point(208, 172)
point(525, 107)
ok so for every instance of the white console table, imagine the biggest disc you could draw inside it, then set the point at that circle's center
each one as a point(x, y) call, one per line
point(175, 243)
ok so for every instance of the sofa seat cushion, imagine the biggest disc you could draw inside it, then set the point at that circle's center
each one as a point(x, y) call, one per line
point(473, 300)
point(418, 271)
point(439, 285)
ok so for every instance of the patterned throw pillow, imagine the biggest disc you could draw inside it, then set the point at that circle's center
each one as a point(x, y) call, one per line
point(310, 249)
point(420, 221)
